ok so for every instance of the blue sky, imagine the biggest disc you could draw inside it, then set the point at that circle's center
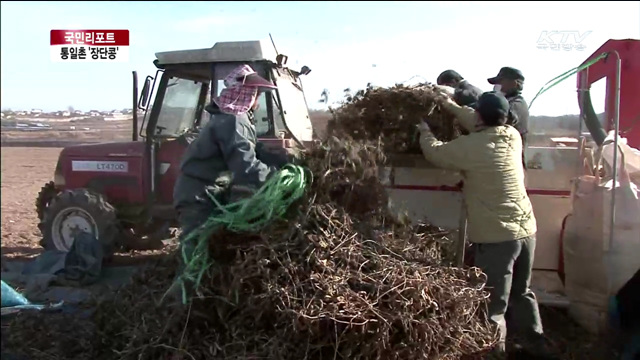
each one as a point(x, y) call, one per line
point(339, 41)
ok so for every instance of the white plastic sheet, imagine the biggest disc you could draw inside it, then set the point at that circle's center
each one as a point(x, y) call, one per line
point(631, 156)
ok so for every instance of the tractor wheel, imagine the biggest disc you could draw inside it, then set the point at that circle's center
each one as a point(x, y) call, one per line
point(73, 211)
point(46, 194)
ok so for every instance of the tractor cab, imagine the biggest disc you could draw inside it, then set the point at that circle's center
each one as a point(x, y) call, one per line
point(186, 82)
point(189, 79)
point(121, 192)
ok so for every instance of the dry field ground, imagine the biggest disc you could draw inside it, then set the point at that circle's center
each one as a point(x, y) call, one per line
point(64, 133)
point(24, 172)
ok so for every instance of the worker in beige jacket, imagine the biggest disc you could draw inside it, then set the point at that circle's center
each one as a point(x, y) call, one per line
point(500, 217)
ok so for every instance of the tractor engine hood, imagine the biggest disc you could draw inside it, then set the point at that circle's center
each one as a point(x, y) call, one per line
point(77, 165)
point(104, 150)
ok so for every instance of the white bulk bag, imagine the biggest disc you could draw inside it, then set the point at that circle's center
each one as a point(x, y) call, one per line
point(596, 267)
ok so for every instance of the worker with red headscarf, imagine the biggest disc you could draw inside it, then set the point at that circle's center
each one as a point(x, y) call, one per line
point(225, 156)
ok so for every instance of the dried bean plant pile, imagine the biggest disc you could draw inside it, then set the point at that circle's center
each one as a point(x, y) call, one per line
point(391, 115)
point(341, 278)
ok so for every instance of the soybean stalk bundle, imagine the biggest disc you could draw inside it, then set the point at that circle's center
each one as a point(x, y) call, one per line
point(391, 115)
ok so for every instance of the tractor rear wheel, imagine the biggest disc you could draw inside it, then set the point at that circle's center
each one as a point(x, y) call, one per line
point(74, 211)
point(46, 194)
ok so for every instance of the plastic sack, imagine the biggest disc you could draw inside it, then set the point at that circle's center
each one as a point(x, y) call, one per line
point(627, 202)
point(631, 156)
point(11, 298)
point(596, 265)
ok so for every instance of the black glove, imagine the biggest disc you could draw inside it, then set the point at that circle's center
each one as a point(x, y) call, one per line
point(295, 155)
point(239, 192)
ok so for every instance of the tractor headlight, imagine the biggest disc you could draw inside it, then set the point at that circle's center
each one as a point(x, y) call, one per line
point(58, 178)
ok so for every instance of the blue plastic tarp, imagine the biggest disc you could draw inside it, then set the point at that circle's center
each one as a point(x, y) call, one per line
point(11, 297)
point(13, 301)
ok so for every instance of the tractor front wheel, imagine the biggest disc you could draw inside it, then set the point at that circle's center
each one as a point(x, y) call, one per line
point(74, 211)
point(46, 194)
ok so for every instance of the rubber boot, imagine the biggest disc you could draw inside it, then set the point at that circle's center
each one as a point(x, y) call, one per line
point(181, 287)
point(540, 347)
point(498, 352)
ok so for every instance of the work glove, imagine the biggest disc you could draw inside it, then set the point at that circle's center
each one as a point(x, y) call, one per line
point(424, 128)
point(446, 101)
point(219, 189)
point(446, 89)
point(295, 155)
point(239, 192)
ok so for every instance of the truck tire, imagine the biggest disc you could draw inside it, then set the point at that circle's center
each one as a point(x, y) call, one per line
point(77, 210)
point(46, 194)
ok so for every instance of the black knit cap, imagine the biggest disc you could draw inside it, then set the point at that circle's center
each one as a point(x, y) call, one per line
point(448, 76)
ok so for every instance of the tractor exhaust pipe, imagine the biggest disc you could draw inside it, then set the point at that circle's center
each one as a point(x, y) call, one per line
point(134, 136)
point(590, 118)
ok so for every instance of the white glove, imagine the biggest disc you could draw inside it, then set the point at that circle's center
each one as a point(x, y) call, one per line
point(447, 101)
point(447, 89)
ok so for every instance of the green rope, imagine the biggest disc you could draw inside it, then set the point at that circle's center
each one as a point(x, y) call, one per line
point(250, 215)
point(564, 76)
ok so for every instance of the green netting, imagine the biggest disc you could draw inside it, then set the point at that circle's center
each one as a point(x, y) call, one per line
point(564, 76)
point(252, 214)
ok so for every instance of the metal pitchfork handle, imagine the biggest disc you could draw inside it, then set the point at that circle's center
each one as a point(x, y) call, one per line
point(462, 235)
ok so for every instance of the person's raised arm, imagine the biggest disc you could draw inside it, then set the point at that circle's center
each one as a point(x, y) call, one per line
point(465, 115)
point(454, 155)
point(239, 153)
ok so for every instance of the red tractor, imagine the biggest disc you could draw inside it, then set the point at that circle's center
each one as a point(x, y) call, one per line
point(122, 192)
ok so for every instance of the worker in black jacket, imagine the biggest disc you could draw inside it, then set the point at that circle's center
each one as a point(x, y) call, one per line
point(510, 82)
point(465, 94)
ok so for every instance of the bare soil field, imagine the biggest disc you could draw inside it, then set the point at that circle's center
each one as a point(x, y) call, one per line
point(62, 134)
point(24, 172)
point(65, 133)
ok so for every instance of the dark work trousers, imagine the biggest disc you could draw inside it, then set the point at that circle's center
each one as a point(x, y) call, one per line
point(191, 216)
point(508, 266)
